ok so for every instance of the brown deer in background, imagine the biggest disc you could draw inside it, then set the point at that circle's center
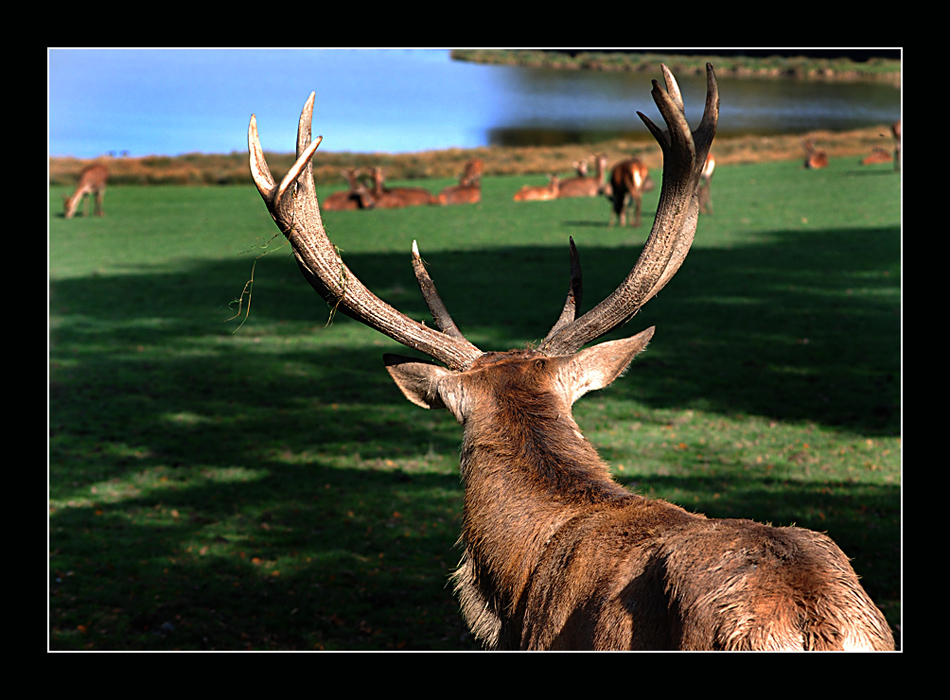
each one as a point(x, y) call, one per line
point(896, 130)
point(557, 555)
point(629, 179)
point(357, 197)
point(533, 193)
point(814, 158)
point(469, 189)
point(705, 186)
point(583, 185)
point(92, 183)
point(395, 197)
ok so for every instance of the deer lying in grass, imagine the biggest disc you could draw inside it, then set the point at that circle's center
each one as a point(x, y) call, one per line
point(533, 193)
point(557, 555)
point(92, 184)
point(814, 158)
point(469, 189)
point(357, 197)
point(584, 185)
point(395, 197)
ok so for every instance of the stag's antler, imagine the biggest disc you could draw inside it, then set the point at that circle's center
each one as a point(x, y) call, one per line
point(293, 204)
point(684, 153)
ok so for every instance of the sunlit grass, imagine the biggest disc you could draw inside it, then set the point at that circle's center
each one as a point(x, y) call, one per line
point(263, 485)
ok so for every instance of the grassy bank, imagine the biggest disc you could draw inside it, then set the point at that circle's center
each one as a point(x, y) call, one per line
point(211, 169)
point(261, 486)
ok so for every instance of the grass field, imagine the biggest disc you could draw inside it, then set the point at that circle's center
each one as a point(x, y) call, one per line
point(259, 483)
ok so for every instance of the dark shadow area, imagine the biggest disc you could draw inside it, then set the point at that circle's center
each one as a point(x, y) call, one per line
point(770, 330)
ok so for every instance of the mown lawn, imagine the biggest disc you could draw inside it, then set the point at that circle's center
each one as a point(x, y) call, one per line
point(258, 482)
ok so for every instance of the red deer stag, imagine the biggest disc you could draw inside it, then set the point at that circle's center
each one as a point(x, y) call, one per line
point(394, 197)
point(629, 179)
point(557, 555)
point(533, 193)
point(814, 158)
point(92, 183)
point(357, 197)
point(469, 189)
point(705, 185)
point(584, 185)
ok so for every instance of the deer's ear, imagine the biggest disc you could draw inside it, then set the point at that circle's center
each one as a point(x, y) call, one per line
point(598, 366)
point(418, 380)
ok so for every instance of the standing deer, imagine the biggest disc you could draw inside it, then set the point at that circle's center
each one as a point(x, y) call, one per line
point(705, 186)
point(814, 158)
point(394, 197)
point(532, 193)
point(583, 185)
point(629, 179)
point(92, 183)
point(557, 555)
point(896, 130)
point(469, 189)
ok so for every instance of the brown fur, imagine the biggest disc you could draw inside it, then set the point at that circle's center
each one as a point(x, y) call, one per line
point(814, 158)
point(559, 556)
point(583, 185)
point(628, 179)
point(469, 189)
point(92, 183)
point(533, 193)
point(397, 197)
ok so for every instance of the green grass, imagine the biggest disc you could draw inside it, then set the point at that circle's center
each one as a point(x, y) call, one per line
point(264, 486)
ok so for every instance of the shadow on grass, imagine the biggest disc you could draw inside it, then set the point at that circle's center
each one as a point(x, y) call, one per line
point(318, 541)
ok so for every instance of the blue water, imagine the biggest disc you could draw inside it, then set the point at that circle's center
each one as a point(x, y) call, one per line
point(176, 101)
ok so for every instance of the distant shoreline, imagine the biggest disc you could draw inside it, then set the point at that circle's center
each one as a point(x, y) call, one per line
point(232, 169)
point(738, 66)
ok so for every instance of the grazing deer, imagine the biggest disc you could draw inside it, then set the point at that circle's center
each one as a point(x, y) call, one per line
point(92, 183)
point(532, 193)
point(705, 185)
point(357, 197)
point(557, 555)
point(394, 197)
point(582, 185)
point(628, 179)
point(814, 158)
point(469, 189)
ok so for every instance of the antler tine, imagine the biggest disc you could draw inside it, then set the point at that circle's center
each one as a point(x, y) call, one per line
point(440, 314)
point(574, 293)
point(298, 217)
point(684, 153)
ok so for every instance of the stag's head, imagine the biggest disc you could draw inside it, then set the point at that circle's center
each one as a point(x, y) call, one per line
point(558, 366)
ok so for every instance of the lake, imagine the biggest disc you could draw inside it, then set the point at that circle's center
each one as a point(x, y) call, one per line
point(173, 101)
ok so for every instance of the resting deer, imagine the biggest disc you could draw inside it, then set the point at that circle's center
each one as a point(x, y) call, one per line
point(394, 197)
point(705, 186)
point(583, 185)
point(92, 183)
point(469, 189)
point(814, 158)
point(557, 555)
point(357, 197)
point(628, 178)
point(533, 193)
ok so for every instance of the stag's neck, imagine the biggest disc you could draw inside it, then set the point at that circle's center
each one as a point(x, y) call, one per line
point(527, 472)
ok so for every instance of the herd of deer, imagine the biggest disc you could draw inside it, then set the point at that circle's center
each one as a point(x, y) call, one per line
point(377, 195)
point(557, 555)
